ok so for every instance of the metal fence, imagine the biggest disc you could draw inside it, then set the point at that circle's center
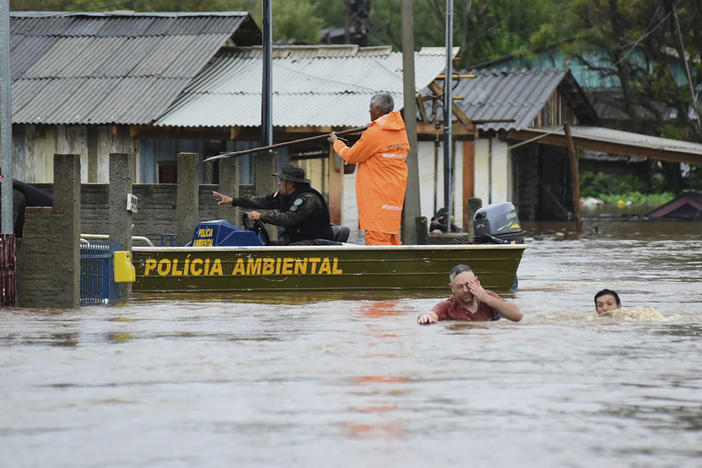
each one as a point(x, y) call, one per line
point(97, 282)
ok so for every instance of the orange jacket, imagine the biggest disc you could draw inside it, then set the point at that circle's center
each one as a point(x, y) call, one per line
point(381, 155)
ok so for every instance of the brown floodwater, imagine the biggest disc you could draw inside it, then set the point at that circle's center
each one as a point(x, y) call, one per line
point(351, 380)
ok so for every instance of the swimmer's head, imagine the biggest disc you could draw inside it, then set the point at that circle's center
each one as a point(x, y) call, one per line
point(606, 301)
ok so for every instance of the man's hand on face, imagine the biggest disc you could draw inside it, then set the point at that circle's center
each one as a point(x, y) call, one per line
point(477, 290)
point(254, 215)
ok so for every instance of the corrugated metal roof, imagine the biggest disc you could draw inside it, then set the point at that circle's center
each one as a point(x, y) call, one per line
point(74, 68)
point(609, 135)
point(333, 87)
point(516, 95)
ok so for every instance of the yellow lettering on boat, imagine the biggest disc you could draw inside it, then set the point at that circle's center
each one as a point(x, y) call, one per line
point(253, 266)
point(314, 261)
point(268, 266)
point(203, 243)
point(216, 267)
point(335, 268)
point(176, 271)
point(287, 266)
point(300, 266)
point(164, 267)
point(149, 266)
point(196, 270)
point(239, 268)
point(325, 267)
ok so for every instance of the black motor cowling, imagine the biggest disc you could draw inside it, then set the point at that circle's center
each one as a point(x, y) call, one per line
point(497, 223)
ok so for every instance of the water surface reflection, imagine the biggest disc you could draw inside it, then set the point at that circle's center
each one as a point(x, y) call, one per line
point(350, 379)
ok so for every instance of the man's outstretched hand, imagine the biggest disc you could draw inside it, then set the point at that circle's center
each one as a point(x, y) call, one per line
point(221, 198)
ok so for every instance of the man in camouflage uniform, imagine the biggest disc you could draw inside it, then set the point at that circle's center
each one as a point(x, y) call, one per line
point(301, 210)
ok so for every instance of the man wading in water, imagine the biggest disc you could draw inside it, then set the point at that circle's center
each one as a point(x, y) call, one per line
point(470, 302)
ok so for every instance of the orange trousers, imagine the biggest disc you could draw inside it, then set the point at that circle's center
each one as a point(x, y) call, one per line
point(381, 238)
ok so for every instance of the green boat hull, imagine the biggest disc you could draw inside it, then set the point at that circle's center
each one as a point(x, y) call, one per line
point(320, 268)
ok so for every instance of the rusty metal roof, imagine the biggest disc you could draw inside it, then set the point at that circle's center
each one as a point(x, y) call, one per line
point(516, 95)
point(312, 86)
point(112, 68)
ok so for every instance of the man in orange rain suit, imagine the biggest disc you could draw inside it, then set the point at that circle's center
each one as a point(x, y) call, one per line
point(381, 155)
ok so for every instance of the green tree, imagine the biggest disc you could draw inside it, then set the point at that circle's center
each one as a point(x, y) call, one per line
point(637, 44)
point(483, 29)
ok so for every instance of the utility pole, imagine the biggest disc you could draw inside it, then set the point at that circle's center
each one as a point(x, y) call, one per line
point(267, 91)
point(5, 119)
point(448, 115)
point(412, 205)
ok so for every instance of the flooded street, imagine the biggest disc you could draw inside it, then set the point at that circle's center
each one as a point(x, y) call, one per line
point(351, 379)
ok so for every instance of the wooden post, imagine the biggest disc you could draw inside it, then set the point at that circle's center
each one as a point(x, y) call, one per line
point(468, 182)
point(336, 186)
point(575, 179)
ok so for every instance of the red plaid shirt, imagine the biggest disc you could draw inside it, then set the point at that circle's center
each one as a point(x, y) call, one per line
point(450, 309)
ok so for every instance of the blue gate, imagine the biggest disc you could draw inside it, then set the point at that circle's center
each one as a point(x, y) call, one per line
point(97, 282)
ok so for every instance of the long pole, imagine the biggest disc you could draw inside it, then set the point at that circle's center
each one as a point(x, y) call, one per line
point(267, 91)
point(448, 114)
point(5, 119)
point(258, 149)
point(412, 204)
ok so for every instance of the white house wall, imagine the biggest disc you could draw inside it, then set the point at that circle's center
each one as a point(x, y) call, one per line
point(481, 187)
point(501, 180)
point(34, 147)
point(493, 183)
point(349, 211)
point(73, 139)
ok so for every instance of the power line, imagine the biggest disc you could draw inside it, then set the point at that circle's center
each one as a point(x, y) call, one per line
point(644, 36)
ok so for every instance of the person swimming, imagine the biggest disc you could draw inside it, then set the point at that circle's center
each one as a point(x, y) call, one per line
point(606, 302)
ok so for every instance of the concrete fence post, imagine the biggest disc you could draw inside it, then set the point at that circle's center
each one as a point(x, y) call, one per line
point(265, 165)
point(187, 197)
point(121, 219)
point(49, 258)
point(229, 185)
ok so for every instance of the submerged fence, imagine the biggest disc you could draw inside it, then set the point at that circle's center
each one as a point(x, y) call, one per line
point(97, 282)
point(8, 270)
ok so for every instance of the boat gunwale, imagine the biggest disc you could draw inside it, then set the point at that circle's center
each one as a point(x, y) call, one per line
point(332, 248)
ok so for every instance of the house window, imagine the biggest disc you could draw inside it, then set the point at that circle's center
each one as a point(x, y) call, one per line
point(167, 172)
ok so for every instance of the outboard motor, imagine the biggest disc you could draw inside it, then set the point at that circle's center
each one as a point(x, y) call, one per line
point(497, 223)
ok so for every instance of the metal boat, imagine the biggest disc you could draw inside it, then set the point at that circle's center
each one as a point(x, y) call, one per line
point(330, 268)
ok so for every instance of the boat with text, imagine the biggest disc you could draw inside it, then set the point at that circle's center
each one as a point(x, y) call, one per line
point(224, 258)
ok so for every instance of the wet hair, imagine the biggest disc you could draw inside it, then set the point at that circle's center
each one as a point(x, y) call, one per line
point(457, 270)
point(608, 292)
point(384, 102)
